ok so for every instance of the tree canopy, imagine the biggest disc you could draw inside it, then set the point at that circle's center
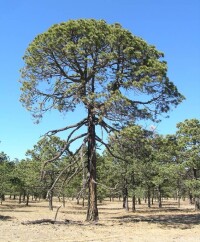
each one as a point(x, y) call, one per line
point(96, 64)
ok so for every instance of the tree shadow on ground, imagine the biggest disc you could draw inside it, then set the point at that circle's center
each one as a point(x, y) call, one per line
point(10, 208)
point(164, 209)
point(5, 218)
point(181, 221)
point(16, 211)
point(111, 209)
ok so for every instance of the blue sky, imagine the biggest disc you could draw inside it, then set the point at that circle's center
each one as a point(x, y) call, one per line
point(172, 26)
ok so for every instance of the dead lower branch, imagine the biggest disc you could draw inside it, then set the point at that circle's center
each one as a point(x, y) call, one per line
point(55, 131)
point(63, 150)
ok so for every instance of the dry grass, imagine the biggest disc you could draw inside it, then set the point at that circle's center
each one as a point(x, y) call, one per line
point(115, 224)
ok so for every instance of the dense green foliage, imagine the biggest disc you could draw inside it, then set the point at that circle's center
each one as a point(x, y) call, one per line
point(93, 63)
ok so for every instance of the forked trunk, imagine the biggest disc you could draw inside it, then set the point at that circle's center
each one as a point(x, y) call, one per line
point(92, 212)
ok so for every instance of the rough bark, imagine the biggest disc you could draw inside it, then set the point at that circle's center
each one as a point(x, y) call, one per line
point(92, 212)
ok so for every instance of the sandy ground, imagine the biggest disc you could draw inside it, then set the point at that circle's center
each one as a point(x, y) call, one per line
point(115, 224)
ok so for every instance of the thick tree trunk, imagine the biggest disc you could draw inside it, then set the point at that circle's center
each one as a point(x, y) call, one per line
point(92, 212)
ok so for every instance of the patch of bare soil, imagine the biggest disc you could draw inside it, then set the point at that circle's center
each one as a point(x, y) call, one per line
point(115, 224)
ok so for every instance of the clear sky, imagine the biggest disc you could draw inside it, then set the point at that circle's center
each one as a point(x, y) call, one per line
point(173, 26)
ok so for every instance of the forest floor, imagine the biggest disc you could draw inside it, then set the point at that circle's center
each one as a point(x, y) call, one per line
point(115, 225)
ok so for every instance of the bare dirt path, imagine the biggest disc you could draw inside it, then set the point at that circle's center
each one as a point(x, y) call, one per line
point(115, 225)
